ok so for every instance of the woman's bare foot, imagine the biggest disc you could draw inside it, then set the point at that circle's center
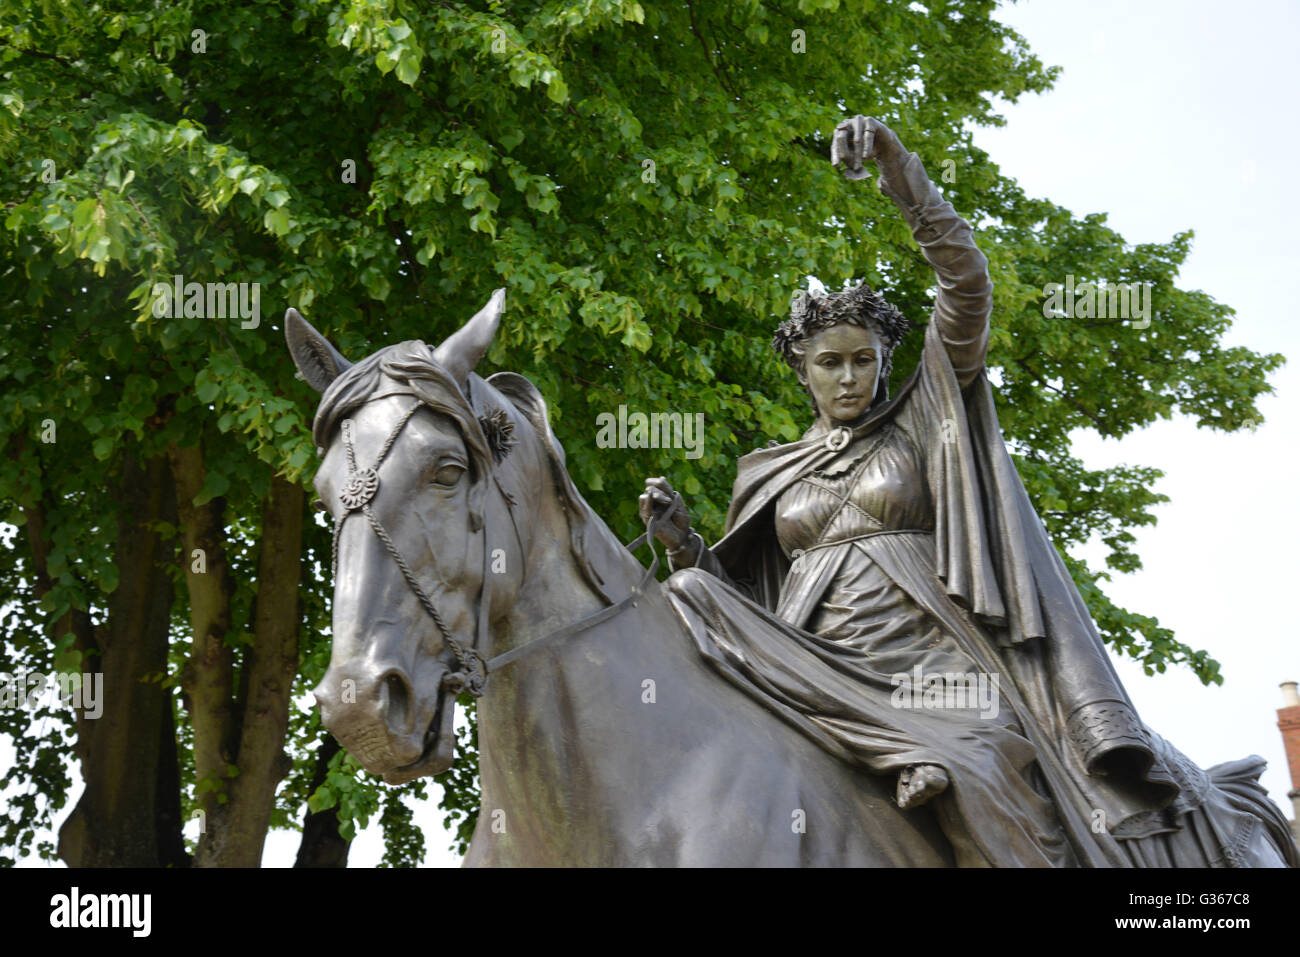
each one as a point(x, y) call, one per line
point(919, 783)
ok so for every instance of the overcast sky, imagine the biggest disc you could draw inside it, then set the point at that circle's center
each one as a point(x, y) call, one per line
point(1169, 116)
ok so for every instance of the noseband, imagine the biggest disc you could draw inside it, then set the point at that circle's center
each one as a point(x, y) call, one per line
point(357, 493)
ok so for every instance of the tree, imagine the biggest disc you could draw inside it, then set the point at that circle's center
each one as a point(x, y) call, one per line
point(649, 180)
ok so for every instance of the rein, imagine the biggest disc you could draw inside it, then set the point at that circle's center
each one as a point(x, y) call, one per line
point(357, 493)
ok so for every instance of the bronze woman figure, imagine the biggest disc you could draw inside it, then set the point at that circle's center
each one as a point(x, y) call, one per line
point(894, 545)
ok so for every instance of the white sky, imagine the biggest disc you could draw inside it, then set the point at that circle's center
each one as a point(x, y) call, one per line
point(1169, 115)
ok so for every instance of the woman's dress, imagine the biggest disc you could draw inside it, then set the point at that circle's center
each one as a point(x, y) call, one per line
point(928, 701)
point(898, 600)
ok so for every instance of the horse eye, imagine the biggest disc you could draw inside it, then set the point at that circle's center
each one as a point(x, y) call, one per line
point(448, 475)
point(319, 505)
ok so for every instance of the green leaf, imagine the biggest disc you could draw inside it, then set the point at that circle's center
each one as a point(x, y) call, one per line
point(408, 68)
point(556, 90)
point(206, 388)
point(277, 221)
point(83, 212)
point(510, 139)
point(98, 250)
point(215, 484)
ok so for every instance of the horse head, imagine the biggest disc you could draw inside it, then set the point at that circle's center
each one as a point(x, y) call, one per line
point(411, 440)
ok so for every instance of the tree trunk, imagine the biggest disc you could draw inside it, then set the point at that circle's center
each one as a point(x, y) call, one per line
point(237, 830)
point(129, 813)
point(208, 675)
point(322, 845)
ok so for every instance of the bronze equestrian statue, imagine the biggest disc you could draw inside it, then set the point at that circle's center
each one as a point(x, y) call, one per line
point(883, 662)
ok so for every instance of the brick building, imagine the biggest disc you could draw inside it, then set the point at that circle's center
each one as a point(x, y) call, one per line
point(1288, 722)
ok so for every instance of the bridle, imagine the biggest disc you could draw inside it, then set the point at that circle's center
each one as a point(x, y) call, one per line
point(473, 670)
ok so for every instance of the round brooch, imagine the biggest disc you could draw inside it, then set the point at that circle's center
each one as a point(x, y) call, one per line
point(360, 489)
point(837, 438)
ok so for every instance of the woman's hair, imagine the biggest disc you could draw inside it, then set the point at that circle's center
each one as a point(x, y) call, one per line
point(857, 305)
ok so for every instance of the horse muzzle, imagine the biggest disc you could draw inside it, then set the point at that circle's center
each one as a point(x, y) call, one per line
point(383, 720)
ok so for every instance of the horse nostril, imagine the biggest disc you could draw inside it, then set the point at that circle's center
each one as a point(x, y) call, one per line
point(396, 710)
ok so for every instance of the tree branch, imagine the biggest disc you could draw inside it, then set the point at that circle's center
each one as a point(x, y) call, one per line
point(1073, 403)
point(708, 54)
point(66, 64)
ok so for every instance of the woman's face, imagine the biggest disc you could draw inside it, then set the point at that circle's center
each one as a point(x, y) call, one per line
point(841, 366)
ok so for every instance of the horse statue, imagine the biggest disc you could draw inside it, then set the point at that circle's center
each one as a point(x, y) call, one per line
point(466, 561)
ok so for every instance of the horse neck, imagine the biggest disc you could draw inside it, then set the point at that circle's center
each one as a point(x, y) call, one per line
point(553, 590)
point(550, 722)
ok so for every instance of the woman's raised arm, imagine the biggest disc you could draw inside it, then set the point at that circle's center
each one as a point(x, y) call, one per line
point(965, 299)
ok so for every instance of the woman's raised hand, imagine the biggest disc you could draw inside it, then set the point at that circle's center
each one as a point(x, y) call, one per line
point(673, 525)
point(857, 140)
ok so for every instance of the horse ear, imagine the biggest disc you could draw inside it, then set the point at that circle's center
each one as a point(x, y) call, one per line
point(463, 349)
point(318, 362)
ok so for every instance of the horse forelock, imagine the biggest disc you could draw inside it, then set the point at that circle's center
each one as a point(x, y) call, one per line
point(405, 367)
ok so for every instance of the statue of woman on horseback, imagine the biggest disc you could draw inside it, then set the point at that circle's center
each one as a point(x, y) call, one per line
point(895, 542)
point(883, 662)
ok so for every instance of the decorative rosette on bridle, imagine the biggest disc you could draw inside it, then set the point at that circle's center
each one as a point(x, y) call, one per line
point(360, 489)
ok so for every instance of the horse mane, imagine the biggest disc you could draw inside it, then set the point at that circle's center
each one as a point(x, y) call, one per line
point(593, 544)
